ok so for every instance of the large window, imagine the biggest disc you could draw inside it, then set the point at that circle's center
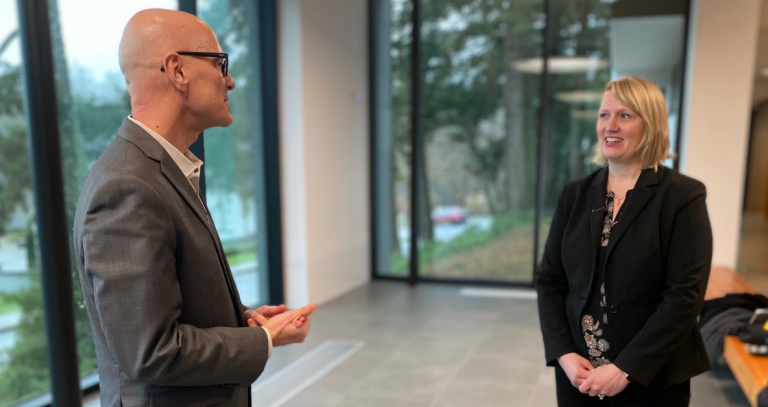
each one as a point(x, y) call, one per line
point(479, 133)
point(91, 102)
point(593, 42)
point(234, 171)
point(23, 352)
point(495, 143)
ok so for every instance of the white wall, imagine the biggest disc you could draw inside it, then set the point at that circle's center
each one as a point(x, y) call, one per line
point(718, 99)
point(323, 70)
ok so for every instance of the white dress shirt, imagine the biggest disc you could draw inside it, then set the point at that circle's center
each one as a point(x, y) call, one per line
point(190, 166)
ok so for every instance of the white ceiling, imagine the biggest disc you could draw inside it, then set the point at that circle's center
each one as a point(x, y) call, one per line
point(650, 47)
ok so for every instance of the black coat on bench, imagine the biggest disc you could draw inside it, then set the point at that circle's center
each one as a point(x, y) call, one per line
point(657, 268)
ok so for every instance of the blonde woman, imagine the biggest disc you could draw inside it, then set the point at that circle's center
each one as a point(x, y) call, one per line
point(626, 265)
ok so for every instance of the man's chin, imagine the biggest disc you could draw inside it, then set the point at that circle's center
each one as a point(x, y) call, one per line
point(224, 122)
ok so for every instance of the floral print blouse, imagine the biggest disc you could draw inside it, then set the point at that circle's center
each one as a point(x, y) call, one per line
point(594, 322)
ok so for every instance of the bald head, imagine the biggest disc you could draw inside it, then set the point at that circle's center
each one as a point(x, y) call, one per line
point(177, 96)
point(151, 34)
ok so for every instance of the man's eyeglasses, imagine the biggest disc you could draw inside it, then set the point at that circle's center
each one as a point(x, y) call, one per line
point(223, 55)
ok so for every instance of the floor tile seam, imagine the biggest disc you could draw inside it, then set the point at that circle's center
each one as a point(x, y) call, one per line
point(405, 343)
point(535, 392)
point(458, 369)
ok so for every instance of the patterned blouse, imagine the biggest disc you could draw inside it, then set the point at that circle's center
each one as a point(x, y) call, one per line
point(593, 325)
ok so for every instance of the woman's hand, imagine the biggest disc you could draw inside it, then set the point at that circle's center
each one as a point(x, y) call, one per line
point(606, 381)
point(576, 368)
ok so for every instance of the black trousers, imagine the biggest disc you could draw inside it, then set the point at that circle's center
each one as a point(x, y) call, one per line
point(635, 395)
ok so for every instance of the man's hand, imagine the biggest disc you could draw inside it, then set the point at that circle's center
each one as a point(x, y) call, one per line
point(266, 311)
point(288, 327)
point(576, 368)
point(606, 381)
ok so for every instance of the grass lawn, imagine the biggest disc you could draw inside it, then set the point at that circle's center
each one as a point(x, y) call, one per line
point(502, 256)
point(241, 257)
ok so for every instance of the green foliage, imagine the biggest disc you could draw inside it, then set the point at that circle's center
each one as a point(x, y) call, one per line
point(469, 85)
point(241, 251)
point(8, 305)
point(10, 90)
point(15, 181)
point(26, 373)
point(242, 257)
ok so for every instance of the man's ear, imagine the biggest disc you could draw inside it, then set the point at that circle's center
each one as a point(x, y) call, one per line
point(175, 71)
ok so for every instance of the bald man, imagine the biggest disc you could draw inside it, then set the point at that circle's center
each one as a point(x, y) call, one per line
point(167, 320)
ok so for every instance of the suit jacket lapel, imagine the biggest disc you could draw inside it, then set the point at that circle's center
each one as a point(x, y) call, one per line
point(133, 133)
point(641, 194)
point(596, 199)
point(185, 189)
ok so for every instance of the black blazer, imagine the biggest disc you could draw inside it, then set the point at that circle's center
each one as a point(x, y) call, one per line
point(657, 267)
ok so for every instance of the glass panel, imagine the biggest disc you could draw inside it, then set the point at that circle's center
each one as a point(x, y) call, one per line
point(234, 172)
point(393, 136)
point(23, 352)
point(92, 102)
point(595, 41)
point(480, 105)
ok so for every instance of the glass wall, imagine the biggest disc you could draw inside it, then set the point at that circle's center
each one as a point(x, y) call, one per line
point(593, 42)
point(488, 165)
point(92, 102)
point(478, 173)
point(234, 173)
point(23, 352)
point(392, 148)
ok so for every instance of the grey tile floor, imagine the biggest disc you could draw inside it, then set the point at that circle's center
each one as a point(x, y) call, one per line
point(428, 346)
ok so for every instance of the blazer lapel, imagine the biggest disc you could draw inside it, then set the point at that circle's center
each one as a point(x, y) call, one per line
point(635, 203)
point(185, 189)
point(133, 133)
point(596, 199)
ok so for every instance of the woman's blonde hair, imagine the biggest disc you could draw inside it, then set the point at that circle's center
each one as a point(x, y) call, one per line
point(645, 99)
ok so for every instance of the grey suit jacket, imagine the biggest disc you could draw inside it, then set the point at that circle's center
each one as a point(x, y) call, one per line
point(167, 319)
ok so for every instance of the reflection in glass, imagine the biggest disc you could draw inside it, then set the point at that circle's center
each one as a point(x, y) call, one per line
point(23, 353)
point(233, 155)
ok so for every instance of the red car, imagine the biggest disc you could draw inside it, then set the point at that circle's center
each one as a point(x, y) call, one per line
point(449, 214)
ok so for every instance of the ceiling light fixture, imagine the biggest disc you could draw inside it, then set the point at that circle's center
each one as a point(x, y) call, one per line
point(560, 65)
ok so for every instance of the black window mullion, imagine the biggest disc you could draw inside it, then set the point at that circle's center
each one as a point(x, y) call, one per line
point(543, 104)
point(372, 126)
point(271, 147)
point(53, 231)
point(415, 138)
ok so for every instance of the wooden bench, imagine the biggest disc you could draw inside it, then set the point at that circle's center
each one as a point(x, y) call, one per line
point(750, 371)
point(724, 281)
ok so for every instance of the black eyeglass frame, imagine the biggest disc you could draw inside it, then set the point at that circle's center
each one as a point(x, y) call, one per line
point(223, 55)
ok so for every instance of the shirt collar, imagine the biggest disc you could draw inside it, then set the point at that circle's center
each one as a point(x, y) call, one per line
point(188, 163)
